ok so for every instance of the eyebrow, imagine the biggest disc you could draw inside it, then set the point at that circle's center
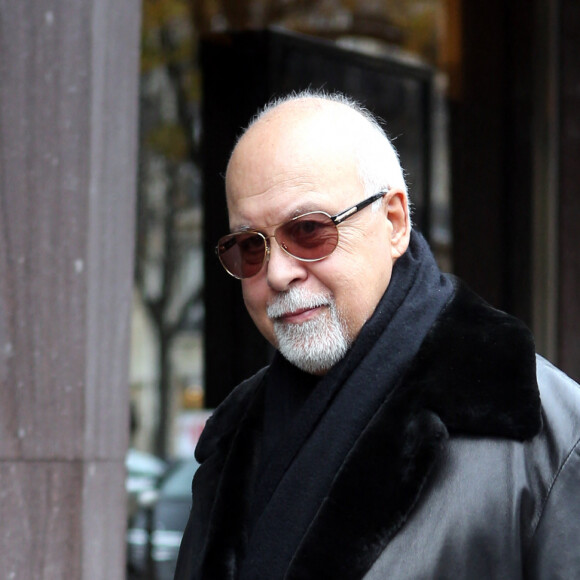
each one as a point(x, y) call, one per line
point(301, 210)
point(243, 228)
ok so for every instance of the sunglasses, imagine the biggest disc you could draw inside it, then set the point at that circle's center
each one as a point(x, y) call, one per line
point(309, 237)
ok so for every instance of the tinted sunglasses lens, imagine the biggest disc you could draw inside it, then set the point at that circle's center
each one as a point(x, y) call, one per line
point(242, 255)
point(310, 237)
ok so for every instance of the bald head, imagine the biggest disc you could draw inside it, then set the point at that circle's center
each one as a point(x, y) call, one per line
point(308, 123)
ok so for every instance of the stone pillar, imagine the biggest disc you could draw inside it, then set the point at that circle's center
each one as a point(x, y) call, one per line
point(68, 138)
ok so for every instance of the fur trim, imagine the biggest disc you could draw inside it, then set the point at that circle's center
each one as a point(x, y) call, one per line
point(477, 370)
point(224, 422)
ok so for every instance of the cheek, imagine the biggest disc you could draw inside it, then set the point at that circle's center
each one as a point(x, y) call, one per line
point(256, 296)
point(358, 289)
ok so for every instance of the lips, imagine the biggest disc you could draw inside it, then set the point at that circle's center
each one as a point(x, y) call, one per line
point(296, 305)
point(300, 315)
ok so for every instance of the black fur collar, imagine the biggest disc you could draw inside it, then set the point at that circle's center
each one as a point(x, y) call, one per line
point(474, 374)
point(477, 370)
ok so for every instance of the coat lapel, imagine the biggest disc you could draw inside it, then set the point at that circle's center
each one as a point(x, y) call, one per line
point(224, 481)
point(373, 493)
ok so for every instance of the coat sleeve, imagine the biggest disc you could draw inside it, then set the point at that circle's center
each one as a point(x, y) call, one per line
point(555, 549)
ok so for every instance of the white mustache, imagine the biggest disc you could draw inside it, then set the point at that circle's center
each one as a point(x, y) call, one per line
point(295, 299)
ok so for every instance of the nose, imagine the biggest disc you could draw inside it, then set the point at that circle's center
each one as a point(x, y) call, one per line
point(282, 269)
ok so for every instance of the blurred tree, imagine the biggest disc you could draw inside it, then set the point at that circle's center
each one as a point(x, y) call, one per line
point(168, 255)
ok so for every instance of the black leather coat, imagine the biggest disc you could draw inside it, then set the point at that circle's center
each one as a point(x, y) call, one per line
point(463, 473)
point(500, 508)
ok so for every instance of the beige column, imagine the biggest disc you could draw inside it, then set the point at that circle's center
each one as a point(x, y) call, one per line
point(68, 128)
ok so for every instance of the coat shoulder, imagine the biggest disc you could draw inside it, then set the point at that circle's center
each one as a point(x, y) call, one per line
point(553, 550)
point(559, 439)
point(226, 417)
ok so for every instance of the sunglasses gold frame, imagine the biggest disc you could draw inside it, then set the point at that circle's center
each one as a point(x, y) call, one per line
point(225, 242)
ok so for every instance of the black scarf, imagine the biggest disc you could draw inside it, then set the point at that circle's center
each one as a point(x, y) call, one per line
point(300, 469)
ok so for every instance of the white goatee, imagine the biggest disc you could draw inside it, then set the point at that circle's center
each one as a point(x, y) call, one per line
point(315, 345)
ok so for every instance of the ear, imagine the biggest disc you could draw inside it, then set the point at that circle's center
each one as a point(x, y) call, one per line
point(397, 209)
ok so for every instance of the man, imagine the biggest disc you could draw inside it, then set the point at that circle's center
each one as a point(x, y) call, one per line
point(399, 431)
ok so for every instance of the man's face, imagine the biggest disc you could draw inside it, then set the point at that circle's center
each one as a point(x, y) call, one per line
point(279, 171)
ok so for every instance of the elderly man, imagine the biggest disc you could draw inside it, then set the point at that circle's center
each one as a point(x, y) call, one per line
point(400, 431)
